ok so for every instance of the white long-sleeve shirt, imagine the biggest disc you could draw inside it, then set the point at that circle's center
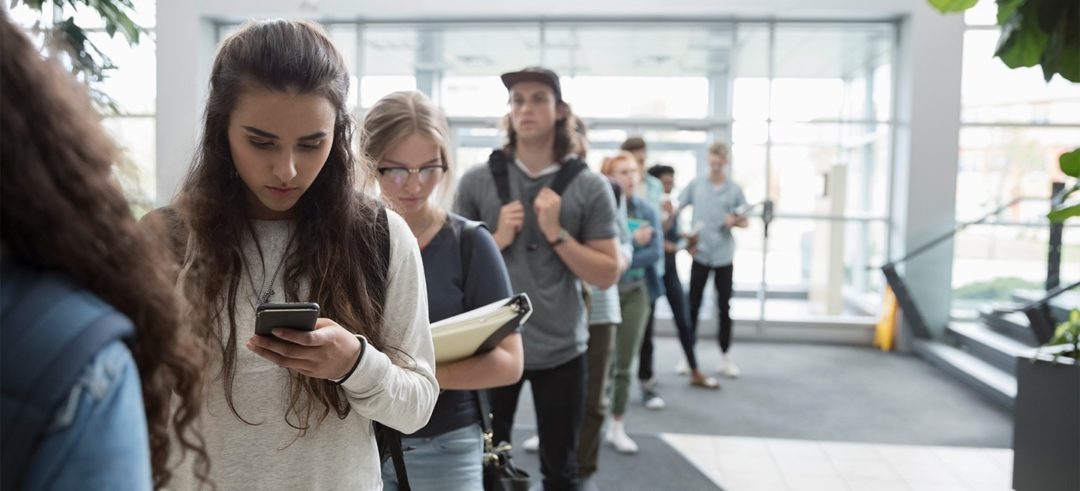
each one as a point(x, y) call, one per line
point(338, 454)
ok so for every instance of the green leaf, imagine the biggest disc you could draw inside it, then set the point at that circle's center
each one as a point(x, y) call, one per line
point(1070, 163)
point(1062, 53)
point(949, 6)
point(1068, 331)
point(1022, 41)
point(1006, 9)
point(1061, 213)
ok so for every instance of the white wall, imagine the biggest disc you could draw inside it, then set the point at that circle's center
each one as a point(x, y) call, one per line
point(185, 51)
point(927, 85)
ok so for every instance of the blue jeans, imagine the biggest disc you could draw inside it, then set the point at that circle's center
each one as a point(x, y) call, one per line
point(451, 461)
point(97, 439)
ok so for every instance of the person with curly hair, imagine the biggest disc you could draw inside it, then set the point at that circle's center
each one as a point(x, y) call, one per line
point(72, 251)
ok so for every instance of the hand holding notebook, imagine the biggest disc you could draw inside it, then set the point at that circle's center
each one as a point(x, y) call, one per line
point(479, 330)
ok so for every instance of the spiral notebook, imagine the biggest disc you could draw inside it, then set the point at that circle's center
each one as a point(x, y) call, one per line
point(479, 330)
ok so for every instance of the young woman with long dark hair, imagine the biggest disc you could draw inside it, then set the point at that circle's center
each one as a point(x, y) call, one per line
point(270, 212)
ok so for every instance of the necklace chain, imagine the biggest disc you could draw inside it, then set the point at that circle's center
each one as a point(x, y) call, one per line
point(265, 295)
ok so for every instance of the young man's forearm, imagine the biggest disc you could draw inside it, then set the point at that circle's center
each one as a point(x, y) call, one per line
point(596, 266)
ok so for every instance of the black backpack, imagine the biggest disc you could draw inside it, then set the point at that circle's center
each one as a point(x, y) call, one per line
point(499, 163)
point(51, 329)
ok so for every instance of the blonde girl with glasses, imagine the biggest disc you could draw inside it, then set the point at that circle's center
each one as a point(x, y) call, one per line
point(406, 138)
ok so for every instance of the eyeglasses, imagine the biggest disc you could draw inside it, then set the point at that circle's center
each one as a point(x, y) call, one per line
point(400, 175)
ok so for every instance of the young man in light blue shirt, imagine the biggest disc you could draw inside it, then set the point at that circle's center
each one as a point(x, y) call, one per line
point(718, 205)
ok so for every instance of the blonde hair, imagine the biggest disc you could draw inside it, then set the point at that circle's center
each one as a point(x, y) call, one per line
point(719, 149)
point(397, 116)
point(608, 167)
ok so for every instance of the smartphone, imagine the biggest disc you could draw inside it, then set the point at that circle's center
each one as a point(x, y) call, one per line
point(299, 315)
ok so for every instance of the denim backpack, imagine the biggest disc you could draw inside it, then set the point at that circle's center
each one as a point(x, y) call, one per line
point(50, 329)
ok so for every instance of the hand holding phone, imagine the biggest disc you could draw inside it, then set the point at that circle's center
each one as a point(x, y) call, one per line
point(298, 315)
point(328, 351)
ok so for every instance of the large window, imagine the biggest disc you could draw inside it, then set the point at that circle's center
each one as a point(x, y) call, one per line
point(812, 126)
point(1014, 127)
point(807, 108)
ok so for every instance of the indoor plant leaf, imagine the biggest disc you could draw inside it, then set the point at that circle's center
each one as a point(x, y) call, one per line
point(1022, 41)
point(947, 6)
point(1061, 213)
point(1006, 9)
point(1062, 53)
point(1070, 163)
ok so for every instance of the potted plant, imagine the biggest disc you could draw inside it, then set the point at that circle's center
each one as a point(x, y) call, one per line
point(1046, 430)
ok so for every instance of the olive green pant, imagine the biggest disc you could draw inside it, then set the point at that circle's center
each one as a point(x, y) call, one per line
point(635, 313)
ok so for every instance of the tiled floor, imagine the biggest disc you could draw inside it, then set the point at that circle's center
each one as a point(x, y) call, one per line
point(762, 464)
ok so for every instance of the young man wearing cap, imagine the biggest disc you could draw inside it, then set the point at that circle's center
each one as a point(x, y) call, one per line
point(551, 243)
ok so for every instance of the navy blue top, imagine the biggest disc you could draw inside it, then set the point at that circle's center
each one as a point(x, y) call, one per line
point(452, 291)
point(673, 234)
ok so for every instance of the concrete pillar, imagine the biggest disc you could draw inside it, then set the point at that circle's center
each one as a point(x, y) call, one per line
point(925, 153)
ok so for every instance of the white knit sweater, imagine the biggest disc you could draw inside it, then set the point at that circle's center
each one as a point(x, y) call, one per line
point(338, 454)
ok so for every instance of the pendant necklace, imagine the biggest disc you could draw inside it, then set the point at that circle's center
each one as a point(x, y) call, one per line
point(265, 295)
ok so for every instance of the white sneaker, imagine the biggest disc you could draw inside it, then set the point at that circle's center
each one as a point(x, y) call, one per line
point(618, 438)
point(728, 368)
point(649, 397)
point(532, 444)
point(683, 368)
point(654, 401)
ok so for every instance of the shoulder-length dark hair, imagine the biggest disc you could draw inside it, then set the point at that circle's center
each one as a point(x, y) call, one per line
point(63, 210)
point(565, 133)
point(338, 253)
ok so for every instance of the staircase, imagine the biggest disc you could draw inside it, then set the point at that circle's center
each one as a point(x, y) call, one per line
point(982, 353)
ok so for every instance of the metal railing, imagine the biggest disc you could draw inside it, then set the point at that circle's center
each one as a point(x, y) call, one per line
point(1040, 319)
point(912, 315)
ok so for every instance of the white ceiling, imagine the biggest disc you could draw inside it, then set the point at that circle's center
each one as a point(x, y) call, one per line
point(610, 44)
point(555, 9)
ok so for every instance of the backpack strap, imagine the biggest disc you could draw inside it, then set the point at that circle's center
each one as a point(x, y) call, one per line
point(567, 172)
point(465, 244)
point(397, 454)
point(498, 163)
point(49, 336)
point(617, 190)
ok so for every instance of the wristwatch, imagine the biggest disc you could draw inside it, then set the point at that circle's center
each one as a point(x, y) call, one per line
point(563, 235)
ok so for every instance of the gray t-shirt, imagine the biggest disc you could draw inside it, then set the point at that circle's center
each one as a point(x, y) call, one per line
point(557, 332)
point(712, 204)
